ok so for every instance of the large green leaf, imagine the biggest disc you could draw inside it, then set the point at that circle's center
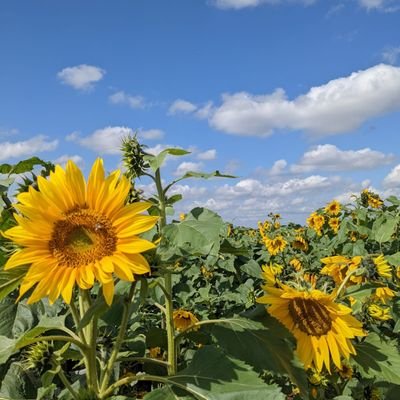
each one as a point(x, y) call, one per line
point(157, 161)
point(16, 318)
point(383, 228)
point(263, 345)
point(212, 375)
point(205, 175)
point(377, 358)
point(7, 348)
point(22, 166)
point(17, 384)
point(10, 280)
point(197, 235)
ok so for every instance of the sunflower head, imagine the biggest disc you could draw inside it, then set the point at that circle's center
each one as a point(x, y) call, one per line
point(300, 243)
point(75, 233)
point(184, 319)
point(333, 208)
point(316, 222)
point(276, 245)
point(37, 356)
point(383, 269)
point(379, 313)
point(133, 157)
point(323, 328)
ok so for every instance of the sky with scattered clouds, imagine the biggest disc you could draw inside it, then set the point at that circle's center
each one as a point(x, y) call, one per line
point(300, 99)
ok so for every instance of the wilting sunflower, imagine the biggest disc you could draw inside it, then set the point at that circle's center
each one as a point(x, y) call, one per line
point(380, 313)
point(184, 319)
point(339, 266)
point(300, 243)
point(384, 293)
point(382, 267)
point(323, 329)
point(73, 232)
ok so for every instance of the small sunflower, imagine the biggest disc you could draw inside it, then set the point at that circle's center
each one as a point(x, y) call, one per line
point(382, 267)
point(334, 223)
point(323, 329)
point(270, 272)
point(300, 243)
point(316, 222)
point(338, 267)
point(276, 245)
point(384, 293)
point(296, 264)
point(379, 313)
point(183, 319)
point(333, 208)
point(75, 233)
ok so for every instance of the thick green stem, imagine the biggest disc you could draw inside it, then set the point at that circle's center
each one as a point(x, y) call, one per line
point(118, 341)
point(169, 310)
point(90, 335)
point(66, 383)
point(60, 338)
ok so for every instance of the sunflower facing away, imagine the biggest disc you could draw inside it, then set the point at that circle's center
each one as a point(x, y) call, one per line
point(323, 329)
point(72, 232)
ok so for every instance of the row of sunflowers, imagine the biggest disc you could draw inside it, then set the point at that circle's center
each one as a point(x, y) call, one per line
point(103, 296)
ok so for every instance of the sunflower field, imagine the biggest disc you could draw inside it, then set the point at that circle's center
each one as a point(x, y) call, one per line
point(106, 294)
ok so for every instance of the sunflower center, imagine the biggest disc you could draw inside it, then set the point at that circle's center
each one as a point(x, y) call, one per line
point(310, 316)
point(82, 237)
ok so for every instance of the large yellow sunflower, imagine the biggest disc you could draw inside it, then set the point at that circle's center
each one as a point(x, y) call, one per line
point(323, 329)
point(72, 232)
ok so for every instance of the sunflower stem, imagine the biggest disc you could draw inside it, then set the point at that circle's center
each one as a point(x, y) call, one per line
point(90, 335)
point(345, 280)
point(66, 383)
point(118, 341)
point(169, 310)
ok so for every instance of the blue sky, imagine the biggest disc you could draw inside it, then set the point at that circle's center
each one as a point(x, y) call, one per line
point(299, 99)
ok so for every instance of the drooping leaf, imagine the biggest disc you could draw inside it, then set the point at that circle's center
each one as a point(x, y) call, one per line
point(157, 161)
point(212, 375)
point(22, 166)
point(16, 318)
point(10, 280)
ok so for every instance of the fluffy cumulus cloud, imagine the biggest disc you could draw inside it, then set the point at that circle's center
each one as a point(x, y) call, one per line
point(81, 77)
point(187, 166)
point(151, 134)
point(207, 155)
point(127, 99)
point(328, 157)
point(339, 106)
point(181, 106)
point(392, 180)
point(104, 141)
point(78, 160)
point(25, 148)
point(239, 4)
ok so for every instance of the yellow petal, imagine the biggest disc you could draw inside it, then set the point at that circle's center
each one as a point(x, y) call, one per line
point(134, 245)
point(108, 292)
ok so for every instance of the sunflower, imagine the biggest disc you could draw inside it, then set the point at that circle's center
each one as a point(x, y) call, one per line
point(382, 267)
point(384, 293)
point(300, 243)
point(333, 208)
point(269, 273)
point(296, 264)
point(338, 267)
point(184, 319)
point(76, 233)
point(334, 223)
point(275, 246)
point(316, 222)
point(379, 313)
point(323, 329)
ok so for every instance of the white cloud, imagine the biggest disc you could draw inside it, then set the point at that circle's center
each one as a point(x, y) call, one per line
point(104, 141)
point(339, 106)
point(78, 160)
point(381, 5)
point(393, 178)
point(239, 4)
point(391, 54)
point(25, 148)
point(181, 106)
point(81, 77)
point(187, 166)
point(278, 168)
point(208, 155)
point(328, 157)
point(124, 98)
point(151, 134)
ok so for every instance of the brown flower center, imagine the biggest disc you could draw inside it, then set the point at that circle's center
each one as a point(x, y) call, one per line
point(310, 316)
point(83, 237)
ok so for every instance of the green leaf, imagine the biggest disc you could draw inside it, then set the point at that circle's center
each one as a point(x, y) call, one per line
point(16, 318)
point(394, 259)
point(265, 346)
point(205, 175)
point(228, 247)
point(197, 234)
point(22, 166)
point(44, 325)
point(10, 280)
point(98, 308)
point(251, 268)
point(384, 229)
point(17, 384)
point(212, 375)
point(7, 348)
point(394, 200)
point(157, 161)
point(377, 358)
